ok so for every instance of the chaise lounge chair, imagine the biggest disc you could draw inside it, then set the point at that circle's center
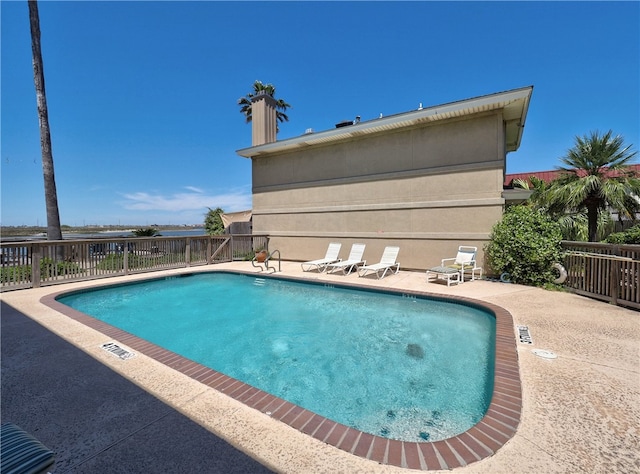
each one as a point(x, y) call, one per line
point(321, 263)
point(354, 259)
point(387, 262)
point(21, 453)
point(454, 269)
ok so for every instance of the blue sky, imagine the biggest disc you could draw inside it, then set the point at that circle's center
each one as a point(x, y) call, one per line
point(142, 95)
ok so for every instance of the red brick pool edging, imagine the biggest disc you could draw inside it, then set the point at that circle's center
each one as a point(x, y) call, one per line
point(496, 428)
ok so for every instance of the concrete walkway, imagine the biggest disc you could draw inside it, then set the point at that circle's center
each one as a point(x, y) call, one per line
point(581, 411)
point(93, 418)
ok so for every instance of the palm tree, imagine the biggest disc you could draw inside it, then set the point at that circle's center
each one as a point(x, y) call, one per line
point(539, 191)
point(54, 231)
point(596, 177)
point(573, 224)
point(269, 89)
point(146, 232)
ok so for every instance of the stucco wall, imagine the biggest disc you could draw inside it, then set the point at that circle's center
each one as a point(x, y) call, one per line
point(427, 189)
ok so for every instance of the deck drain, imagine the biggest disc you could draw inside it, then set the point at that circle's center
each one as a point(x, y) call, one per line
point(117, 350)
point(523, 334)
point(545, 354)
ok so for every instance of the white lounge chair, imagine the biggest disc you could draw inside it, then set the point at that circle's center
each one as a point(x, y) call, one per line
point(387, 262)
point(353, 261)
point(465, 261)
point(454, 269)
point(321, 263)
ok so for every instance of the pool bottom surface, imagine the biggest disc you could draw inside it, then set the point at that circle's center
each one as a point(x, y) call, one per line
point(386, 365)
point(482, 440)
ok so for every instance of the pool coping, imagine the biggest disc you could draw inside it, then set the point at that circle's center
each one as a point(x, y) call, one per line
point(481, 441)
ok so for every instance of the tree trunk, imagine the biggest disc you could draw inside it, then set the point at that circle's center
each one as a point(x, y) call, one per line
point(592, 222)
point(54, 231)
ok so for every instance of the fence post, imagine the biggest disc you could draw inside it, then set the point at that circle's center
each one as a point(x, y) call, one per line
point(233, 250)
point(209, 250)
point(36, 258)
point(187, 252)
point(615, 275)
point(125, 258)
point(615, 280)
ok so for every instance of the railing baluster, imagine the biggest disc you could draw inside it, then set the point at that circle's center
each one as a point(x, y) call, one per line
point(604, 271)
point(36, 257)
point(36, 263)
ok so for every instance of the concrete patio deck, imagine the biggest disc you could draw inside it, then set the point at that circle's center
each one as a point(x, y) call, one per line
point(581, 411)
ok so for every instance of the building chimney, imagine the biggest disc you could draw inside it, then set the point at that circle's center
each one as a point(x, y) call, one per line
point(263, 118)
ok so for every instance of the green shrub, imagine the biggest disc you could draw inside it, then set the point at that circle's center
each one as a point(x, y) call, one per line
point(525, 244)
point(112, 262)
point(49, 268)
point(629, 236)
point(246, 256)
point(213, 222)
point(115, 262)
point(20, 273)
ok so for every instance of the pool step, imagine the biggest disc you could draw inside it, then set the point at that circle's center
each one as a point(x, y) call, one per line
point(259, 282)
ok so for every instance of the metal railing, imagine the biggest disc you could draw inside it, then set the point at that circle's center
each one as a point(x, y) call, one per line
point(31, 264)
point(607, 272)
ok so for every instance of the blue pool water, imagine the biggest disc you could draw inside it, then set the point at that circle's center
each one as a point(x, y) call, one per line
point(396, 366)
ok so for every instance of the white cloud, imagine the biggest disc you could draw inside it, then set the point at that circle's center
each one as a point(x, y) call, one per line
point(194, 200)
point(97, 187)
point(194, 189)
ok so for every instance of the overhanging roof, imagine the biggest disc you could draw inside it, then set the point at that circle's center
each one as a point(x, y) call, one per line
point(514, 105)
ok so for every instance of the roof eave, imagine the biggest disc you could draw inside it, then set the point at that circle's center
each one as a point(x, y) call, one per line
point(515, 104)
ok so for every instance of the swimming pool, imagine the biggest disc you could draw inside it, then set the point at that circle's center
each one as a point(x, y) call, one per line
point(406, 368)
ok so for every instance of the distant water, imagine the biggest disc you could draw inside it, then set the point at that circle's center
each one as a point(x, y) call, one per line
point(109, 234)
point(183, 233)
point(122, 233)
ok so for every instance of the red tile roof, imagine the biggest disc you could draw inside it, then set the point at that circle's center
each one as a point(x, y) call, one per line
point(546, 176)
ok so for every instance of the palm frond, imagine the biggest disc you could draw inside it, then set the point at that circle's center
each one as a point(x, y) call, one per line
point(595, 177)
point(260, 88)
point(520, 183)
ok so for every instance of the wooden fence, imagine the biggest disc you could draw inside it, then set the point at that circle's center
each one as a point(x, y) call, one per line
point(607, 272)
point(604, 271)
point(31, 264)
